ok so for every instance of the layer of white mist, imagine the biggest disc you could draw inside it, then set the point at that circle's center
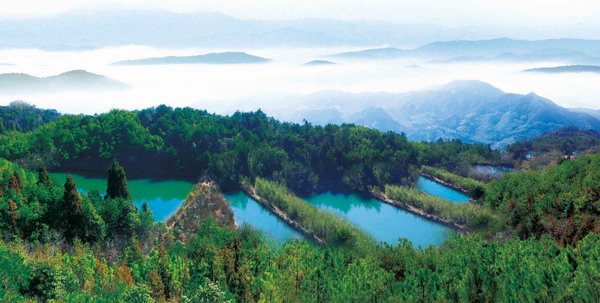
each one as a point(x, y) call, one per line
point(215, 86)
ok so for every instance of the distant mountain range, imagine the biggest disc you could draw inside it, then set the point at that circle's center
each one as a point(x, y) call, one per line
point(69, 81)
point(103, 28)
point(576, 51)
point(318, 62)
point(212, 58)
point(566, 69)
point(473, 111)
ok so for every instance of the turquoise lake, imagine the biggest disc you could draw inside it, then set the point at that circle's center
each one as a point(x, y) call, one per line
point(248, 211)
point(385, 223)
point(436, 189)
point(163, 197)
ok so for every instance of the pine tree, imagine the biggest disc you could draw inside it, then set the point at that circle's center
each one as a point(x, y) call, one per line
point(72, 209)
point(43, 177)
point(117, 182)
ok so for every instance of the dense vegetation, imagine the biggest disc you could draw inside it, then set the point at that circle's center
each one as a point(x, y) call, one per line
point(565, 141)
point(22, 117)
point(473, 188)
point(223, 265)
point(60, 245)
point(467, 214)
point(188, 143)
point(561, 201)
point(33, 208)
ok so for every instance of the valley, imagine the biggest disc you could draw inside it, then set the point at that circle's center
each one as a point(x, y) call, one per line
point(295, 151)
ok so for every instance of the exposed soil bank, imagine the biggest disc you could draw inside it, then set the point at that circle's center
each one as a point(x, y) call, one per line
point(203, 201)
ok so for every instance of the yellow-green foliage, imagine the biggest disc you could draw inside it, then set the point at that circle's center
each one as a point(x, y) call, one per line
point(324, 224)
point(562, 200)
point(474, 188)
point(469, 214)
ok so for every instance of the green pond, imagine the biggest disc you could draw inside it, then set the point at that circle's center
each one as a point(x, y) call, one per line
point(163, 197)
point(248, 211)
point(382, 221)
point(436, 189)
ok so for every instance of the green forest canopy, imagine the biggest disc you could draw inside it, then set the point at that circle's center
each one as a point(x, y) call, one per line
point(137, 260)
point(189, 143)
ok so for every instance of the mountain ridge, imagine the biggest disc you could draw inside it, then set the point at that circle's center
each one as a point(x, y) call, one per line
point(469, 110)
point(74, 80)
point(210, 58)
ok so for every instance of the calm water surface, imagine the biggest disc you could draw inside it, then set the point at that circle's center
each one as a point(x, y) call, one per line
point(163, 197)
point(384, 222)
point(248, 211)
point(436, 189)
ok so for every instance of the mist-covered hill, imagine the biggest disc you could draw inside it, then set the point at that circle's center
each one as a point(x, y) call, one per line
point(103, 28)
point(592, 112)
point(211, 58)
point(566, 69)
point(473, 111)
point(76, 80)
point(577, 51)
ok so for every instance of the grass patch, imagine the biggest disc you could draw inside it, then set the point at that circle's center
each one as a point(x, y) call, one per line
point(467, 214)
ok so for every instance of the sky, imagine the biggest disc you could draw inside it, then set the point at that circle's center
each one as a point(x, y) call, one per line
point(493, 13)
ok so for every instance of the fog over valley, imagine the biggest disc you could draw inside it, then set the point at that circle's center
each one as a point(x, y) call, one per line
point(255, 151)
point(217, 86)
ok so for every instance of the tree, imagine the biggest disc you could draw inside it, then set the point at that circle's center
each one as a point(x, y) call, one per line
point(15, 182)
point(43, 177)
point(117, 182)
point(72, 206)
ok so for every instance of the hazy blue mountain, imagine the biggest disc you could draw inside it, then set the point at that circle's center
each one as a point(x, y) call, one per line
point(70, 81)
point(376, 118)
point(592, 112)
point(101, 28)
point(318, 62)
point(318, 116)
point(375, 53)
point(211, 58)
point(569, 50)
point(566, 69)
point(473, 111)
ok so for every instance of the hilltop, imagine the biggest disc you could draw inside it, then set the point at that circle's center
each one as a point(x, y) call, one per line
point(211, 58)
point(76, 80)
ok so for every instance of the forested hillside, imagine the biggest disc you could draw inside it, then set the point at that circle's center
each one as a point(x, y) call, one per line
point(60, 246)
point(188, 143)
point(23, 117)
point(567, 141)
point(561, 201)
point(540, 241)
